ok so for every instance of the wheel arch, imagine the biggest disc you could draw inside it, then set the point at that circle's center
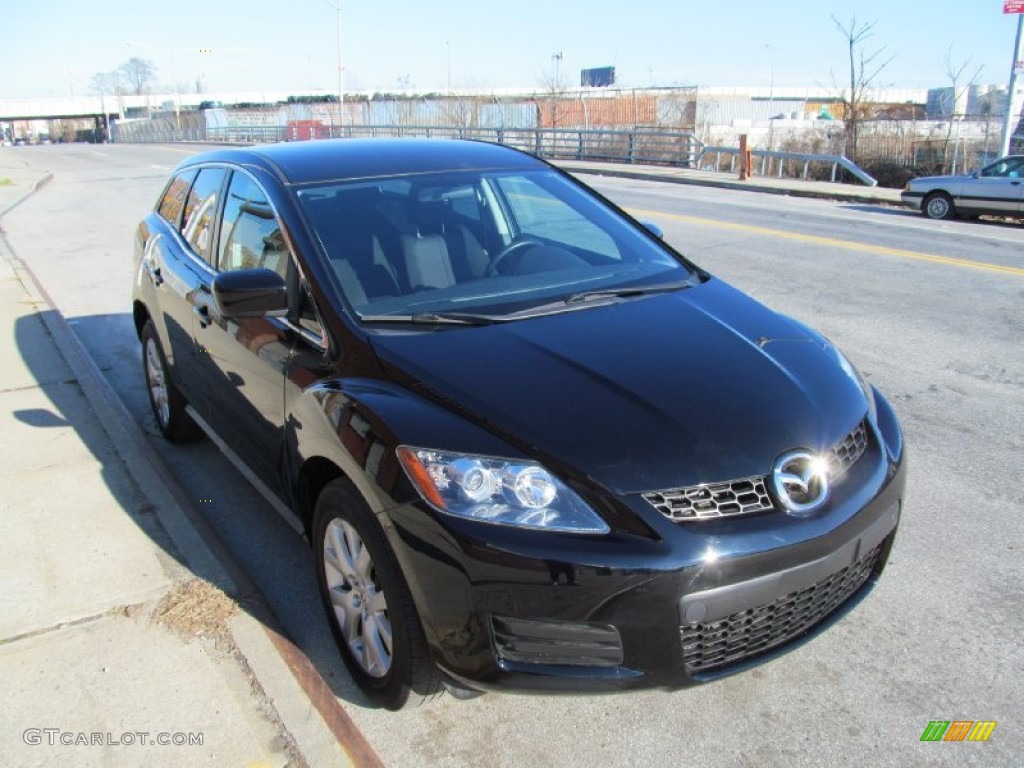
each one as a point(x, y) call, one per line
point(314, 476)
point(140, 314)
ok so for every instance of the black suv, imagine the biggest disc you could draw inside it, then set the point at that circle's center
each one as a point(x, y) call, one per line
point(532, 445)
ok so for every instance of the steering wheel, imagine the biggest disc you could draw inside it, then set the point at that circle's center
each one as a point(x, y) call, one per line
point(508, 250)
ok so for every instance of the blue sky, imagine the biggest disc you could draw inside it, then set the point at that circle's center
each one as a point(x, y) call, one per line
point(53, 48)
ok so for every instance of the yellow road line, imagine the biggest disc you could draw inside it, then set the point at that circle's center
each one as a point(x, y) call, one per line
point(830, 241)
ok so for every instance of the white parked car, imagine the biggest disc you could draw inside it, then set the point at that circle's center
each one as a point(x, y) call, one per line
point(996, 189)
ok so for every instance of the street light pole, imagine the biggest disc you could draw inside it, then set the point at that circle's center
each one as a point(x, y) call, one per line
point(771, 96)
point(336, 5)
point(1008, 122)
point(341, 70)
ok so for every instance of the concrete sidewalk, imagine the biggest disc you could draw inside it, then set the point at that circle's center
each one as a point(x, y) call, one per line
point(856, 193)
point(126, 636)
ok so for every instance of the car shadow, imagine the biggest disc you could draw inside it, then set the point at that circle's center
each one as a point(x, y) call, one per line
point(275, 561)
point(887, 210)
point(991, 221)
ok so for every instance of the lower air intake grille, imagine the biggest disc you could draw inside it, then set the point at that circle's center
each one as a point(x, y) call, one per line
point(746, 634)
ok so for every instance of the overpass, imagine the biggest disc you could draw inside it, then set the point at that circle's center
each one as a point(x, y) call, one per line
point(114, 107)
point(16, 115)
point(127, 105)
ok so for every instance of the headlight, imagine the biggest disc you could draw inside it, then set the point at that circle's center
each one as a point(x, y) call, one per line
point(512, 492)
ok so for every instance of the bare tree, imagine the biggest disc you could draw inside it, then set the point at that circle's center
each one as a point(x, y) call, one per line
point(462, 111)
point(140, 74)
point(864, 69)
point(553, 85)
point(105, 83)
point(955, 72)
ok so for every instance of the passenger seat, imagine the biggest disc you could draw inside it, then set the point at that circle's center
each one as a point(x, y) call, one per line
point(427, 263)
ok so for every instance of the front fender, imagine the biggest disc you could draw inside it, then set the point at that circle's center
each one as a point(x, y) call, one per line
point(358, 423)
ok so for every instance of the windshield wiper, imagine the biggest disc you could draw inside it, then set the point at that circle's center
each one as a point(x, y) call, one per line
point(626, 292)
point(432, 318)
point(578, 300)
point(571, 302)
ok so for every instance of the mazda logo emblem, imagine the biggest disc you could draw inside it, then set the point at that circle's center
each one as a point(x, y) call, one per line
point(800, 481)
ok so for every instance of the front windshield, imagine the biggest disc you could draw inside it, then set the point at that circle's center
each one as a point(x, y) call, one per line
point(492, 243)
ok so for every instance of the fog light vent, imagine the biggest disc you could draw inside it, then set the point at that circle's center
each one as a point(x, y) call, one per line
point(549, 642)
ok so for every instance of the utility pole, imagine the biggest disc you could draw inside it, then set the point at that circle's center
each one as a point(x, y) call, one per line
point(1011, 116)
point(336, 5)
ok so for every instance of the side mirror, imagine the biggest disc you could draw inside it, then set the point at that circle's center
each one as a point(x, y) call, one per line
point(654, 229)
point(250, 293)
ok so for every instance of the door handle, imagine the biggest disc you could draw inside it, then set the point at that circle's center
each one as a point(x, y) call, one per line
point(202, 313)
point(148, 262)
point(154, 274)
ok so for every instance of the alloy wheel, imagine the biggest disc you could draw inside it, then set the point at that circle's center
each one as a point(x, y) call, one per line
point(358, 601)
point(157, 383)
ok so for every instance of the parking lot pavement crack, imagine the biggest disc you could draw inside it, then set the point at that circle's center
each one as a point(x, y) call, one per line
point(60, 626)
point(31, 387)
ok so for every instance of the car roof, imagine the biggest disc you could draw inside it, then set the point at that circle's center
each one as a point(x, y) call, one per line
point(306, 162)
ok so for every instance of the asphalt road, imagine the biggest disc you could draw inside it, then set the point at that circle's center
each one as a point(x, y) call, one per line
point(932, 313)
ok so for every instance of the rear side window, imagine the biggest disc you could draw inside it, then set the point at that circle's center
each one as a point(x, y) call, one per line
point(174, 196)
point(250, 235)
point(201, 212)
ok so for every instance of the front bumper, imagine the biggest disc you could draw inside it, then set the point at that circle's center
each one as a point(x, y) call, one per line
point(523, 611)
point(912, 199)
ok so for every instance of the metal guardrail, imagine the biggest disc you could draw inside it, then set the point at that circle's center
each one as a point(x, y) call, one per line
point(617, 145)
point(675, 148)
point(774, 161)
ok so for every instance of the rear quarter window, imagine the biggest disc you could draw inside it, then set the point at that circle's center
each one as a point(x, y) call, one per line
point(201, 212)
point(173, 199)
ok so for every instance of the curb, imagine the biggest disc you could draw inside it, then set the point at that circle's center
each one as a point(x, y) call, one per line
point(36, 185)
point(256, 631)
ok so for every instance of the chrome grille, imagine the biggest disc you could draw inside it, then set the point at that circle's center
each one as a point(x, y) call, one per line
point(845, 454)
point(746, 634)
point(750, 495)
point(738, 497)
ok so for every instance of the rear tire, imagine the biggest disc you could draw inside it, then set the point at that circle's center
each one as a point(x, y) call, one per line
point(166, 401)
point(938, 205)
point(372, 616)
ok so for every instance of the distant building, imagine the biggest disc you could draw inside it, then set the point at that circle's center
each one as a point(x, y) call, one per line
point(975, 101)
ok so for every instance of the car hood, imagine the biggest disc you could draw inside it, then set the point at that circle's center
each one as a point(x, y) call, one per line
point(660, 392)
point(940, 179)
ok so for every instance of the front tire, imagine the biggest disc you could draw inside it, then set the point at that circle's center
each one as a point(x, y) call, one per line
point(166, 401)
point(939, 205)
point(369, 607)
